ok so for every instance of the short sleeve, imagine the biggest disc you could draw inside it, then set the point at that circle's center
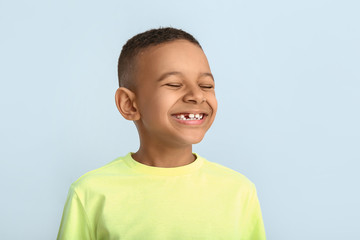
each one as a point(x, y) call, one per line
point(74, 222)
point(258, 230)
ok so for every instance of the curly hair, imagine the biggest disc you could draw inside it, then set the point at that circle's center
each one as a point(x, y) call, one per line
point(141, 41)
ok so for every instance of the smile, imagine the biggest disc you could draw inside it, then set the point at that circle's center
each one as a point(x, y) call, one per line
point(189, 116)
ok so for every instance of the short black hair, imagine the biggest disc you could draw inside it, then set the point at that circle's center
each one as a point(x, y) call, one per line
point(141, 41)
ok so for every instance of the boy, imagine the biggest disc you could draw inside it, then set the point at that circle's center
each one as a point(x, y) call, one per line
point(163, 191)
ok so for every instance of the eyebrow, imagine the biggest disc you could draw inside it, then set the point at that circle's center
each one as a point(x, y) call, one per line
point(207, 74)
point(174, 73)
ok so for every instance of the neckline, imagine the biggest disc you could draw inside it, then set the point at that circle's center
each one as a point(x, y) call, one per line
point(162, 171)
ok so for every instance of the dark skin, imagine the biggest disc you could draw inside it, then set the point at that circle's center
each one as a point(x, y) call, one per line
point(173, 103)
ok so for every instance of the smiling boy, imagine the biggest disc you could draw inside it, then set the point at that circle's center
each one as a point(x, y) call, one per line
point(164, 190)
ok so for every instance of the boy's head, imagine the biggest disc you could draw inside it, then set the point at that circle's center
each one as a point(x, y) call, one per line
point(166, 87)
point(134, 46)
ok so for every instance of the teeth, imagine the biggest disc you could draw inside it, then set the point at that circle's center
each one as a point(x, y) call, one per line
point(191, 116)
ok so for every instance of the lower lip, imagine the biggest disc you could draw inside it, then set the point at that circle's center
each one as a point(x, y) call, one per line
point(190, 122)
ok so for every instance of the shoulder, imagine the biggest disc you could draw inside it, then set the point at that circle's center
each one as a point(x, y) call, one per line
point(226, 174)
point(99, 177)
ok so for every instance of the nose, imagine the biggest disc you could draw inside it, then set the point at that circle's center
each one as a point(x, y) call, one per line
point(194, 94)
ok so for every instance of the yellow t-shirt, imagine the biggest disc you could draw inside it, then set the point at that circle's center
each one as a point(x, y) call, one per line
point(128, 200)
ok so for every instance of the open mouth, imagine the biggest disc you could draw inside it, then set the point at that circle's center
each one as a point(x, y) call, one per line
point(190, 116)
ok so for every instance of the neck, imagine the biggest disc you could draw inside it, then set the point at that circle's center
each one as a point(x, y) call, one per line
point(167, 157)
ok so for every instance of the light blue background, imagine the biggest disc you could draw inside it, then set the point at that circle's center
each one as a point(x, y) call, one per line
point(287, 81)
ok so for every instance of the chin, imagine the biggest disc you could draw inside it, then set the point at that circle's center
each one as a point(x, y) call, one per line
point(197, 140)
point(190, 138)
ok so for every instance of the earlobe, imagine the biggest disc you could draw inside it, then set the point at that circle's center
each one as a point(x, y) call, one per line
point(125, 102)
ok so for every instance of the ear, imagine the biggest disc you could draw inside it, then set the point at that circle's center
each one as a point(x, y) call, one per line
point(125, 102)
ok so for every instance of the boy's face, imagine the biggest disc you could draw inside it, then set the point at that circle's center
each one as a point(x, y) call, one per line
point(174, 93)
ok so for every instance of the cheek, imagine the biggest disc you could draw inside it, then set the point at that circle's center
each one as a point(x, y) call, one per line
point(215, 103)
point(155, 109)
point(212, 102)
point(164, 101)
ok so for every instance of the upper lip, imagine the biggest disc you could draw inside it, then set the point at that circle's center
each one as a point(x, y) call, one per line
point(192, 111)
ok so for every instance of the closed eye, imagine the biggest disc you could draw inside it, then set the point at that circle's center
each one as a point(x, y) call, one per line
point(207, 86)
point(174, 85)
